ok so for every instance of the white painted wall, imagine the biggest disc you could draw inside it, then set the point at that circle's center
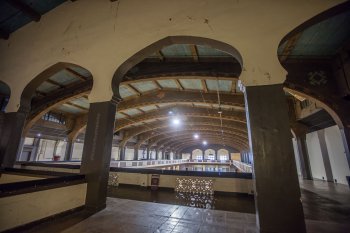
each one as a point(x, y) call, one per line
point(297, 156)
point(115, 153)
point(337, 156)
point(315, 156)
point(129, 153)
point(186, 156)
point(77, 151)
point(46, 149)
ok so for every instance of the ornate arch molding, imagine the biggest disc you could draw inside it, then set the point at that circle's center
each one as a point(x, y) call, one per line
point(170, 40)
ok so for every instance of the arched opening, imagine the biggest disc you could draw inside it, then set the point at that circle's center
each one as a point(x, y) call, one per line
point(150, 86)
point(197, 154)
point(317, 80)
point(57, 100)
point(210, 154)
point(223, 154)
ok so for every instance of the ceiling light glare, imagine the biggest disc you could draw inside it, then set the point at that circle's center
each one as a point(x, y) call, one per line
point(39, 135)
point(205, 143)
point(196, 136)
point(176, 121)
point(170, 112)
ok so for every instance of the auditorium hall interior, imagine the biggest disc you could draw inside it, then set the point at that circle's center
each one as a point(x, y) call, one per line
point(162, 116)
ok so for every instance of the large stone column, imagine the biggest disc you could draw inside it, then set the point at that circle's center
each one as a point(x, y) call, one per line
point(69, 150)
point(325, 156)
point(36, 144)
point(304, 157)
point(97, 153)
point(12, 138)
point(122, 153)
point(277, 193)
point(136, 152)
point(148, 153)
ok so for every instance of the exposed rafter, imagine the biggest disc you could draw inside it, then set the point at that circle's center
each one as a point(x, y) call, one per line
point(27, 10)
point(194, 52)
point(132, 89)
point(178, 84)
point(160, 55)
point(76, 74)
point(77, 106)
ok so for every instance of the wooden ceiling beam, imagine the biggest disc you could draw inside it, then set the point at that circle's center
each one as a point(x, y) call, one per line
point(76, 74)
point(290, 45)
point(228, 117)
point(194, 52)
point(234, 86)
point(54, 83)
point(174, 96)
point(133, 89)
point(204, 85)
point(25, 9)
point(178, 84)
point(160, 55)
point(157, 84)
point(77, 106)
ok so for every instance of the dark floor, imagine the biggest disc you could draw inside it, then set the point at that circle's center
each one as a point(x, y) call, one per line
point(230, 202)
point(326, 207)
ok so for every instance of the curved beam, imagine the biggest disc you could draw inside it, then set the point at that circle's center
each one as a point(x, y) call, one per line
point(170, 96)
point(162, 125)
point(186, 144)
point(183, 111)
point(168, 134)
point(154, 137)
point(183, 146)
point(226, 138)
point(226, 67)
point(206, 134)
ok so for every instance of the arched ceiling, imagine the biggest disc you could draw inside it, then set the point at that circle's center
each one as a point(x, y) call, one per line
point(196, 84)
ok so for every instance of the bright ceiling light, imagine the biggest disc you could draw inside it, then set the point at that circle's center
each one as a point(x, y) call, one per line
point(170, 112)
point(205, 143)
point(196, 136)
point(176, 121)
point(39, 135)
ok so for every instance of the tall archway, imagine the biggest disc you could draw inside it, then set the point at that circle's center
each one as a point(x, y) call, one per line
point(142, 54)
point(197, 154)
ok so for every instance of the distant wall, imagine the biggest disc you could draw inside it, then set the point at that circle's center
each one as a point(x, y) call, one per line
point(234, 185)
point(337, 156)
point(336, 153)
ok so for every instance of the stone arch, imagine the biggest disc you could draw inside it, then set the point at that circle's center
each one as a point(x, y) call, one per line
point(223, 152)
point(209, 152)
point(196, 152)
point(5, 94)
point(170, 40)
point(29, 90)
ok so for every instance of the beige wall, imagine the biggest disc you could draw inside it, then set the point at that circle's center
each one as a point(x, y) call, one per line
point(10, 178)
point(235, 185)
point(101, 35)
point(25, 208)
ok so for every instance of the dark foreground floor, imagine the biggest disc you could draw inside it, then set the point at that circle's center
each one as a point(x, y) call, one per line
point(230, 202)
point(326, 208)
